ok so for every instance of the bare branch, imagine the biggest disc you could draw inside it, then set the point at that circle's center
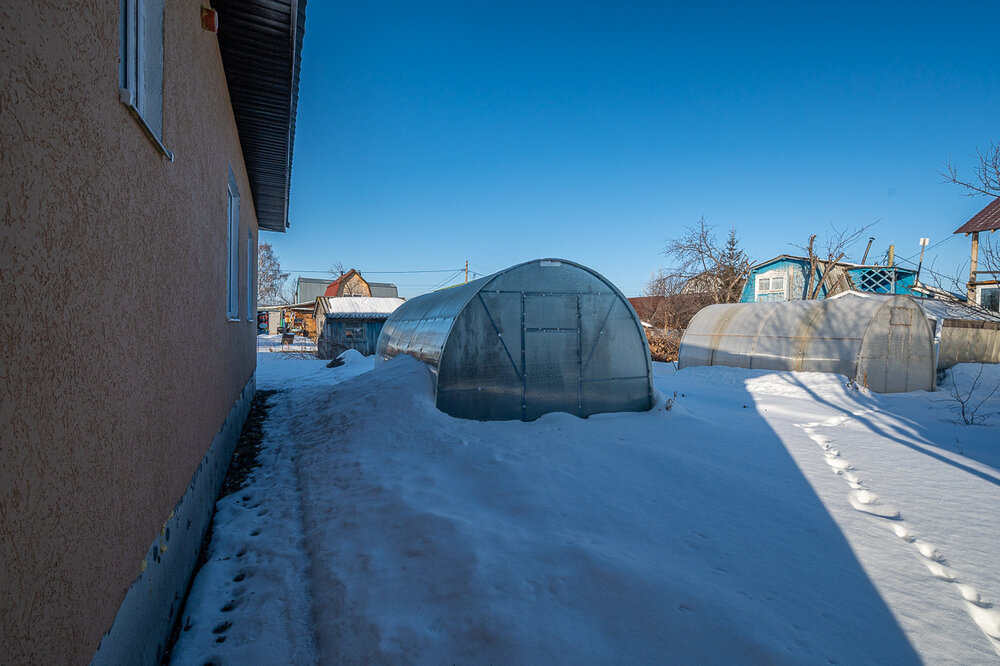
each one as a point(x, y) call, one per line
point(987, 173)
point(706, 266)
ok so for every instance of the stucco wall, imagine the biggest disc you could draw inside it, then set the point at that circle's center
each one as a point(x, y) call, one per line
point(119, 364)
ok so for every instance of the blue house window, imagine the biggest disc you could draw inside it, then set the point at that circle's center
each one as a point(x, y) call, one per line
point(771, 286)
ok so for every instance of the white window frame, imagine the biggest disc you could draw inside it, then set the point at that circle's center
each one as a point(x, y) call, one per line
point(140, 68)
point(251, 277)
point(981, 293)
point(770, 276)
point(233, 249)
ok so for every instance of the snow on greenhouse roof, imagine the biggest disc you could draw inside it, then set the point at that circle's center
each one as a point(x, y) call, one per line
point(935, 308)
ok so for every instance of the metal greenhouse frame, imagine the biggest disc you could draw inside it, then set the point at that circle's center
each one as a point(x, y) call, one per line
point(885, 344)
point(544, 336)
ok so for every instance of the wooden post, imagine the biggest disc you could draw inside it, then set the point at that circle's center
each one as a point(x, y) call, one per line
point(826, 274)
point(812, 268)
point(973, 265)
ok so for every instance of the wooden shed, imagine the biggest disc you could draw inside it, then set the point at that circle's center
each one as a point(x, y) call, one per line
point(351, 322)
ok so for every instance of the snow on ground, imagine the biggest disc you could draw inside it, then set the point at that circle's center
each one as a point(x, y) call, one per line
point(272, 343)
point(296, 371)
point(762, 518)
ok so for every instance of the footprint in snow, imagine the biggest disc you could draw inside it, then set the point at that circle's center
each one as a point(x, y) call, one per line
point(940, 571)
point(928, 550)
point(971, 595)
point(838, 463)
point(903, 533)
point(851, 477)
point(868, 502)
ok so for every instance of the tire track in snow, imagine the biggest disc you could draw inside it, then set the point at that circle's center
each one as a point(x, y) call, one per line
point(985, 615)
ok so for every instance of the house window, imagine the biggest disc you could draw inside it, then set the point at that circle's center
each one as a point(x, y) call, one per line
point(771, 287)
point(354, 330)
point(251, 276)
point(233, 245)
point(989, 298)
point(140, 64)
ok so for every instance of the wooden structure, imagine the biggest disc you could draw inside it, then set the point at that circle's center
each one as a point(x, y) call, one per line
point(350, 322)
point(297, 318)
point(984, 292)
point(349, 284)
point(791, 278)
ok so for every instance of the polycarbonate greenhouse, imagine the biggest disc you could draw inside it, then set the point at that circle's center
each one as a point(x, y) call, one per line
point(543, 336)
point(886, 344)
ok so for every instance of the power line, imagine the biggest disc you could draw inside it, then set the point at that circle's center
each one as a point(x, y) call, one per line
point(938, 244)
point(445, 281)
point(443, 270)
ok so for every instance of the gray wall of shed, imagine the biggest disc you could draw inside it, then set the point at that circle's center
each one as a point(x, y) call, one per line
point(968, 342)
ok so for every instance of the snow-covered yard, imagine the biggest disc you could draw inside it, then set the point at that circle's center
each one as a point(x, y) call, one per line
point(751, 517)
point(272, 343)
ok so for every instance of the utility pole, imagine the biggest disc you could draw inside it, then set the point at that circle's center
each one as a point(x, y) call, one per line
point(466, 271)
point(973, 265)
point(923, 245)
point(892, 264)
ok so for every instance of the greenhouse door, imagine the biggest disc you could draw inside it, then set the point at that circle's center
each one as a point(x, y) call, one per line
point(552, 353)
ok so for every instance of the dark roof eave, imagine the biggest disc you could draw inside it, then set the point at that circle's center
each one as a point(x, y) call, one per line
point(988, 219)
point(261, 46)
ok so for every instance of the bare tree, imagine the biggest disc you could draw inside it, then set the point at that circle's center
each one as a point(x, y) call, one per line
point(835, 246)
point(704, 271)
point(967, 404)
point(270, 278)
point(662, 284)
point(987, 175)
point(706, 266)
point(668, 311)
point(337, 269)
point(986, 182)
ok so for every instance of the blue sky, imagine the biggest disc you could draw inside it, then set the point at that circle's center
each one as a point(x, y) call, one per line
point(497, 133)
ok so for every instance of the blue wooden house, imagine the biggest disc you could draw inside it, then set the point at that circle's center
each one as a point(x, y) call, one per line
point(786, 278)
point(350, 322)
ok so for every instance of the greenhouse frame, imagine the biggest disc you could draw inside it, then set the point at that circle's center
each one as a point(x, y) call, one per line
point(544, 336)
point(885, 344)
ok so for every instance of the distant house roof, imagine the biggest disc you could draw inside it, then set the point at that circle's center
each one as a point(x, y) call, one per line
point(846, 264)
point(988, 219)
point(334, 287)
point(384, 289)
point(674, 310)
point(357, 307)
point(308, 289)
point(261, 46)
point(304, 306)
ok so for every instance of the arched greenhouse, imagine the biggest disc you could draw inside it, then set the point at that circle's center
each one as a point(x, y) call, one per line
point(543, 336)
point(886, 345)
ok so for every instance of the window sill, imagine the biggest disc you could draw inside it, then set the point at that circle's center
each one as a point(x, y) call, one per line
point(125, 97)
point(235, 319)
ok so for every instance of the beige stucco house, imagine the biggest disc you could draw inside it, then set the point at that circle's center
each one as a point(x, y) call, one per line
point(141, 154)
